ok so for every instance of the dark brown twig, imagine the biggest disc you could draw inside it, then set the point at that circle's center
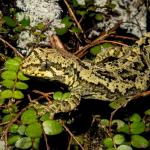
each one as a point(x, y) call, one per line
point(45, 95)
point(123, 37)
point(135, 97)
point(13, 48)
point(46, 142)
point(56, 42)
point(83, 51)
point(71, 134)
point(10, 123)
point(73, 16)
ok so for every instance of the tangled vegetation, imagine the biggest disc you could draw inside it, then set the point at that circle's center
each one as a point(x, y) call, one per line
point(24, 121)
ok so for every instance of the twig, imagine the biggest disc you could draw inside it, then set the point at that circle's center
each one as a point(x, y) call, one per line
point(45, 95)
point(3, 123)
point(56, 42)
point(69, 144)
point(83, 51)
point(124, 37)
point(102, 36)
point(71, 134)
point(45, 138)
point(73, 16)
point(10, 123)
point(13, 48)
point(135, 97)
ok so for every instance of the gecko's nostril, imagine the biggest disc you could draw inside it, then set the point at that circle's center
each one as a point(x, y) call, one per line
point(45, 65)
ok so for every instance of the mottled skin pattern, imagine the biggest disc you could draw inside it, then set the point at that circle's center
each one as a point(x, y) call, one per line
point(115, 72)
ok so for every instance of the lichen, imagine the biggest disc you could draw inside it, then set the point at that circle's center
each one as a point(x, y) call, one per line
point(39, 11)
point(132, 13)
point(81, 2)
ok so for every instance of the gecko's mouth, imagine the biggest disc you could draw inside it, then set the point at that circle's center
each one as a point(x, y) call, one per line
point(38, 83)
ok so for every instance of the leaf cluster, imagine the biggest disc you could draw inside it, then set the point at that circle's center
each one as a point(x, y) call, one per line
point(28, 128)
point(12, 80)
point(128, 134)
point(28, 133)
point(10, 26)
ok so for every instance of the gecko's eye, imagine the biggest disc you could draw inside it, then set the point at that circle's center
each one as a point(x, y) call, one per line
point(45, 65)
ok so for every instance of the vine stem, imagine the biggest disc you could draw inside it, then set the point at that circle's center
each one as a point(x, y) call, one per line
point(10, 123)
point(13, 48)
point(71, 134)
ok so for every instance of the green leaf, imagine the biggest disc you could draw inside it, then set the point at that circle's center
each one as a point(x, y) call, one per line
point(106, 45)
point(108, 142)
point(34, 130)
point(57, 95)
point(8, 83)
point(40, 26)
point(124, 129)
point(52, 127)
point(118, 139)
point(111, 5)
point(45, 117)
point(24, 143)
point(37, 33)
point(75, 29)
point(99, 17)
point(8, 117)
point(95, 50)
point(3, 30)
point(119, 123)
point(10, 75)
point(65, 95)
point(91, 15)
point(18, 59)
point(12, 10)
point(75, 3)
point(81, 12)
point(61, 31)
point(22, 77)
point(147, 112)
point(42, 36)
point(21, 129)
point(14, 108)
point(18, 29)
point(10, 109)
point(137, 127)
point(12, 64)
point(105, 122)
point(124, 147)
point(7, 110)
point(2, 100)
point(9, 21)
point(29, 116)
point(21, 85)
point(36, 143)
point(13, 139)
point(25, 21)
point(138, 141)
point(18, 95)
point(67, 21)
point(135, 117)
point(6, 94)
point(119, 103)
point(13, 128)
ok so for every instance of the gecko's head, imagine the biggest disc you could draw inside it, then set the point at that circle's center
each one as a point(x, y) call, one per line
point(44, 63)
